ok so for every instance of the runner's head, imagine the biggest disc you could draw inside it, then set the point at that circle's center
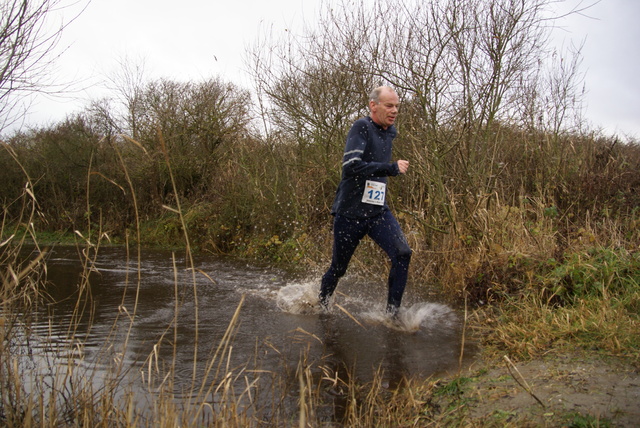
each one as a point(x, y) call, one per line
point(384, 104)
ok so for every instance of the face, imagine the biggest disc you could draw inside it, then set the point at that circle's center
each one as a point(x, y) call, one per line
point(384, 113)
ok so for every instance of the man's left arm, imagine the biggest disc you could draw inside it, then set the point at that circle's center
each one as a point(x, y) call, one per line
point(403, 166)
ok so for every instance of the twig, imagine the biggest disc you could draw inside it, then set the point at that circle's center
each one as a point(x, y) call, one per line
point(524, 383)
point(350, 316)
point(464, 332)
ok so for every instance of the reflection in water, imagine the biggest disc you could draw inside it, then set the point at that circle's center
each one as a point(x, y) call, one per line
point(279, 320)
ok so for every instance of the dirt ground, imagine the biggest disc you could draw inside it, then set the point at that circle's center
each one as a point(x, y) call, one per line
point(577, 390)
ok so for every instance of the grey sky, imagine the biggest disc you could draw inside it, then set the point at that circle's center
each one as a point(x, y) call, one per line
point(195, 39)
point(611, 63)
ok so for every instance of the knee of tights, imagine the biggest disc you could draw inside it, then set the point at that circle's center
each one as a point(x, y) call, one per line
point(405, 254)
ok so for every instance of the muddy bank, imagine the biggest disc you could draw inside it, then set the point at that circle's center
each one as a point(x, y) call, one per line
point(570, 389)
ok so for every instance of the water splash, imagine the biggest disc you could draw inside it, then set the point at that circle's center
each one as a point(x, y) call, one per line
point(412, 318)
point(299, 298)
point(302, 299)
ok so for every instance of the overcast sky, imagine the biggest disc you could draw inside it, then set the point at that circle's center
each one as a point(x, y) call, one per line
point(196, 39)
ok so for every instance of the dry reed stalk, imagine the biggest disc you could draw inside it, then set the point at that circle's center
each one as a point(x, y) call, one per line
point(165, 152)
point(464, 333)
point(218, 357)
point(350, 316)
point(370, 401)
point(302, 400)
point(139, 250)
point(521, 380)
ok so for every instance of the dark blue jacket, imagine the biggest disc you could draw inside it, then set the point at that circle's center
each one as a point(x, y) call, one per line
point(367, 156)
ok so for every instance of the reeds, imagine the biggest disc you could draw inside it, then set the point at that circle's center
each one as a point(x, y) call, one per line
point(46, 385)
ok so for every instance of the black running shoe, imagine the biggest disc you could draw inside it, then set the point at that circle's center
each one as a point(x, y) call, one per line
point(324, 302)
point(392, 311)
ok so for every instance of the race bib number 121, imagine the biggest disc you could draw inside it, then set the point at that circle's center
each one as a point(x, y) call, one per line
point(374, 192)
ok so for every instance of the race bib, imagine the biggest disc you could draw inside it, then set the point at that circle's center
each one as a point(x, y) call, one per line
point(374, 192)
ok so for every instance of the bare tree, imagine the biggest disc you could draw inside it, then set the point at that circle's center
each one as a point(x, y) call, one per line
point(470, 73)
point(27, 44)
point(312, 87)
point(127, 83)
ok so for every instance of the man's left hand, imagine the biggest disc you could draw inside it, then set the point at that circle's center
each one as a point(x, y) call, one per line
point(403, 166)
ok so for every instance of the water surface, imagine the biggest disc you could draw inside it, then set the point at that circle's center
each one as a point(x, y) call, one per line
point(279, 322)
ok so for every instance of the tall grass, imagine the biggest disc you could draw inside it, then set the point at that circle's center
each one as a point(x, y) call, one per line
point(46, 385)
point(591, 301)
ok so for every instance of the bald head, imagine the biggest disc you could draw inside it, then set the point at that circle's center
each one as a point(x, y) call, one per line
point(375, 94)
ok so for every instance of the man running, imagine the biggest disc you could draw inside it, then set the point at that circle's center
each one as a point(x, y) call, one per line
point(360, 206)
